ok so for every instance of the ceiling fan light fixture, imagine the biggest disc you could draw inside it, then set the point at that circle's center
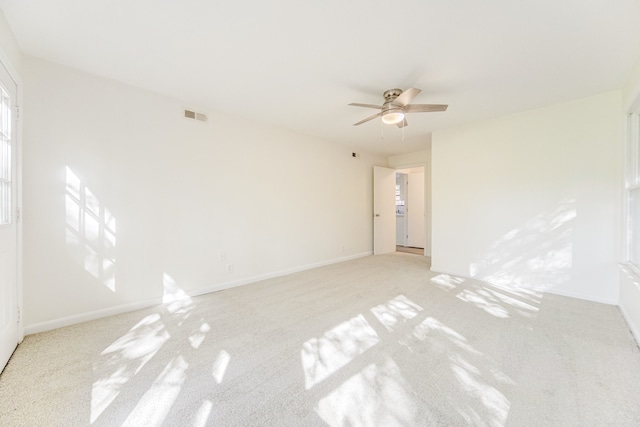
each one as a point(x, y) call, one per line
point(396, 104)
point(393, 117)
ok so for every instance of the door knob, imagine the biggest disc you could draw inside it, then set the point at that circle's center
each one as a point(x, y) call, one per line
point(377, 214)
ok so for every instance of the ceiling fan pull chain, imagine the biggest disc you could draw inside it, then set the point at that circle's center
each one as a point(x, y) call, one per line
point(403, 126)
point(381, 131)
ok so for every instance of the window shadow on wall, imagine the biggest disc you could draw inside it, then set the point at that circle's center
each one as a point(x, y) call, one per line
point(90, 231)
point(537, 255)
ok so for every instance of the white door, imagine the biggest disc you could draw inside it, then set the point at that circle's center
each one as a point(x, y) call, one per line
point(384, 210)
point(8, 228)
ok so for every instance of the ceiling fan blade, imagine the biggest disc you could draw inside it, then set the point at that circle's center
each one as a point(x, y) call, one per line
point(402, 124)
point(407, 96)
point(424, 108)
point(367, 119)
point(355, 104)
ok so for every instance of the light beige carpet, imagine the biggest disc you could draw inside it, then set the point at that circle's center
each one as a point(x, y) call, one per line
point(379, 341)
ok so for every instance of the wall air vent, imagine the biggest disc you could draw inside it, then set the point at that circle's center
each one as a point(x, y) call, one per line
point(194, 115)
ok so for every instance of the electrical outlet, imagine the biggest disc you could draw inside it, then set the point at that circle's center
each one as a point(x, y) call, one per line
point(229, 268)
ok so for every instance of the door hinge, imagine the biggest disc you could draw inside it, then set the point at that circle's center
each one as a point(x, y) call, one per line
point(18, 214)
point(18, 111)
point(18, 313)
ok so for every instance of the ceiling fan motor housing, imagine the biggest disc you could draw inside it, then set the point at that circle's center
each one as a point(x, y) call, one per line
point(389, 107)
point(391, 94)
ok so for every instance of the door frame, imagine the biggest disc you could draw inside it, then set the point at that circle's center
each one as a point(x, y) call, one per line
point(427, 200)
point(6, 62)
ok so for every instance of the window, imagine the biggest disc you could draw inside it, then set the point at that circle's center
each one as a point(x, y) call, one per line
point(5, 157)
point(401, 193)
point(633, 189)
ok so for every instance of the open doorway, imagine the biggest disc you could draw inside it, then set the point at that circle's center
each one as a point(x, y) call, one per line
point(410, 210)
point(415, 209)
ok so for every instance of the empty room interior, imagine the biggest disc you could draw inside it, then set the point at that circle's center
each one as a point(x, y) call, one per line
point(319, 213)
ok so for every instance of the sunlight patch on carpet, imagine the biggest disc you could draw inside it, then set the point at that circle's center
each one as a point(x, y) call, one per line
point(475, 377)
point(431, 330)
point(511, 301)
point(485, 403)
point(220, 366)
point(196, 338)
point(338, 346)
point(123, 359)
point(395, 310)
point(446, 281)
point(376, 396)
point(483, 302)
point(203, 414)
point(155, 404)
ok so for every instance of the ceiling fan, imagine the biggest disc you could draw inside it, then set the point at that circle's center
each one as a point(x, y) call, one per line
point(397, 105)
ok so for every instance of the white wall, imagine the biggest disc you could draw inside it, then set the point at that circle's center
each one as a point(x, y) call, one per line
point(171, 196)
point(533, 199)
point(631, 90)
point(9, 49)
point(419, 158)
point(416, 213)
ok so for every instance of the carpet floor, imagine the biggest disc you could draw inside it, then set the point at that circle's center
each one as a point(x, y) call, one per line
point(377, 341)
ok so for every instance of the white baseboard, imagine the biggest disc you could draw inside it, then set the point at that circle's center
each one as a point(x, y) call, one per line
point(577, 295)
point(124, 308)
point(442, 271)
point(91, 315)
point(253, 279)
point(582, 296)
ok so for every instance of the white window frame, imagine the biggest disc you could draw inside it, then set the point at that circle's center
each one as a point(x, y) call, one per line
point(632, 188)
point(6, 160)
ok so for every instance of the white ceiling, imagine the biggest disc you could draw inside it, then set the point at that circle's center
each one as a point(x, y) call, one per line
point(297, 64)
